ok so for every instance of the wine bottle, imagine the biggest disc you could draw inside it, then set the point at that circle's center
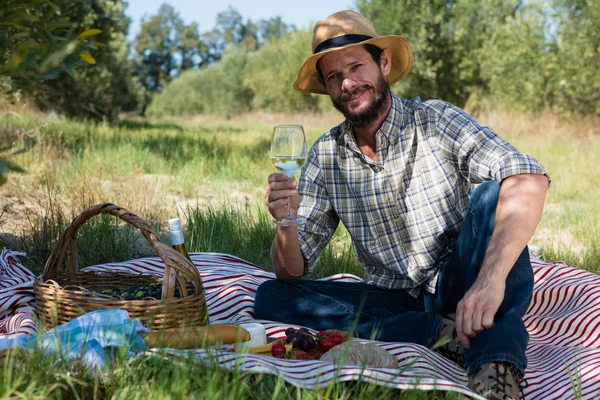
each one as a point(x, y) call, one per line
point(176, 236)
point(178, 243)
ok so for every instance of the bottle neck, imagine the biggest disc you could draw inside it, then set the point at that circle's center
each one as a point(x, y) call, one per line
point(176, 237)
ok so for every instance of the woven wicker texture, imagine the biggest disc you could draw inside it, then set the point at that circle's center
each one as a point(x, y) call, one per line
point(63, 292)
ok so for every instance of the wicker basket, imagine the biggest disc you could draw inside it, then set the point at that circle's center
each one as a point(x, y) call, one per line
point(63, 292)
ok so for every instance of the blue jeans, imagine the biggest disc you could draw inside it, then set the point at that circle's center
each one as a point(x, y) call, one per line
point(396, 316)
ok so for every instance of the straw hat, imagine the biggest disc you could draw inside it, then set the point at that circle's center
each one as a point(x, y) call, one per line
point(344, 29)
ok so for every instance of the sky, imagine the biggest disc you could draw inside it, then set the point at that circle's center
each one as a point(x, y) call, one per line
point(302, 13)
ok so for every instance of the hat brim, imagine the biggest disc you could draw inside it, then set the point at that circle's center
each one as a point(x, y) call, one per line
point(309, 81)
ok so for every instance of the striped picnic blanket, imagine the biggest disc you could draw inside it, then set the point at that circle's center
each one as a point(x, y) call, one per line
point(563, 322)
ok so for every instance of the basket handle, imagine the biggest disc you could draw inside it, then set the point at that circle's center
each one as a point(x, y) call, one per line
point(176, 265)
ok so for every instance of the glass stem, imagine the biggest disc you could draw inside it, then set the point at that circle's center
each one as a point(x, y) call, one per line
point(289, 216)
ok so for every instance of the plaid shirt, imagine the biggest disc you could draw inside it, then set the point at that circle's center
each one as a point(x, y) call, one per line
point(404, 212)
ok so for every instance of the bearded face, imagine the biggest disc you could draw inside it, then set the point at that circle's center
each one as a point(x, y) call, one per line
point(369, 114)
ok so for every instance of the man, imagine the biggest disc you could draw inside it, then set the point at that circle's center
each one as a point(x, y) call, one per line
point(399, 175)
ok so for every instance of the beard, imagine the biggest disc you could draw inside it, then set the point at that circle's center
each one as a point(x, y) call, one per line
point(369, 114)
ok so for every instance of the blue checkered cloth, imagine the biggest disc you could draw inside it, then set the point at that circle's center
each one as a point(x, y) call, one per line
point(95, 338)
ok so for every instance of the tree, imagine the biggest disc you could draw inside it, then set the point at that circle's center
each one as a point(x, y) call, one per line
point(103, 90)
point(165, 47)
point(271, 71)
point(517, 63)
point(230, 29)
point(39, 41)
point(230, 24)
point(273, 29)
point(576, 83)
point(446, 36)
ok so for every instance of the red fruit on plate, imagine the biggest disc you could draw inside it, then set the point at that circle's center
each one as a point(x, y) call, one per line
point(278, 350)
point(322, 334)
point(327, 343)
point(337, 338)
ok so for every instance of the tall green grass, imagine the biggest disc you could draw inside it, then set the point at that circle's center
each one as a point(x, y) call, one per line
point(162, 376)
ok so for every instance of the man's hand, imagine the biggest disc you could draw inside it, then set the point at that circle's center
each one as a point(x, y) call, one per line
point(285, 252)
point(476, 311)
point(280, 190)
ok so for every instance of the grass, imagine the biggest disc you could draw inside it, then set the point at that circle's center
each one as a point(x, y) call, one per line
point(159, 376)
point(211, 173)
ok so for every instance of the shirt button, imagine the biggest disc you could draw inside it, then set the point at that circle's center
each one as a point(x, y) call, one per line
point(387, 198)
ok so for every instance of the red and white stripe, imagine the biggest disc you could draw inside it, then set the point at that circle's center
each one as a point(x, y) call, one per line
point(563, 322)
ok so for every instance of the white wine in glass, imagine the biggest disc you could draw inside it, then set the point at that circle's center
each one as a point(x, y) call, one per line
point(288, 154)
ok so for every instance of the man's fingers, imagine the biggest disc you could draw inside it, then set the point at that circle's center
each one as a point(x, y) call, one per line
point(279, 191)
point(487, 320)
point(281, 194)
point(278, 177)
point(285, 185)
point(476, 323)
point(459, 325)
point(278, 204)
point(467, 322)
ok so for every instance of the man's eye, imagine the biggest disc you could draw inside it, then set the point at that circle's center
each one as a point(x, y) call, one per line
point(355, 66)
point(332, 76)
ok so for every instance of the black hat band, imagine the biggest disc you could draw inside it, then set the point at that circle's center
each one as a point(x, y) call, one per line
point(340, 41)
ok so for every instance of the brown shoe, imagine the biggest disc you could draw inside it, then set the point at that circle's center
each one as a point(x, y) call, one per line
point(453, 350)
point(497, 381)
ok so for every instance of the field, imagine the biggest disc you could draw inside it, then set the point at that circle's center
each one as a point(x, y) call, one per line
point(212, 172)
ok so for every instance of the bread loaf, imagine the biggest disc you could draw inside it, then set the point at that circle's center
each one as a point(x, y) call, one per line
point(193, 338)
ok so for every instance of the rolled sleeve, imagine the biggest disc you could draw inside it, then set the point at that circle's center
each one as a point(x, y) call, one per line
point(518, 163)
point(321, 219)
point(479, 152)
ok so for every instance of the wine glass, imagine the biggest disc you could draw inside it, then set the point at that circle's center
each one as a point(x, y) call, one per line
point(288, 154)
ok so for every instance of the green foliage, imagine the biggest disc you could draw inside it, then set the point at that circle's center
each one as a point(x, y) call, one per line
point(6, 165)
point(243, 81)
point(217, 89)
point(527, 55)
point(576, 49)
point(446, 37)
point(39, 40)
point(12, 143)
point(515, 63)
point(230, 230)
point(271, 72)
point(164, 47)
point(50, 38)
point(231, 29)
point(103, 91)
point(536, 60)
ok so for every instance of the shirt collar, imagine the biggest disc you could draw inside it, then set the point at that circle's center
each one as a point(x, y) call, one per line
point(388, 128)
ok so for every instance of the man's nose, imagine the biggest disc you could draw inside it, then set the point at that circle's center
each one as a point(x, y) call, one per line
point(348, 85)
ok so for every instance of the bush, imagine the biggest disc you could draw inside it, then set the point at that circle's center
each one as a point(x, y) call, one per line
point(217, 89)
point(515, 64)
point(243, 81)
point(272, 71)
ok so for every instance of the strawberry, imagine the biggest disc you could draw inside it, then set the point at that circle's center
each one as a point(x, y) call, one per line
point(337, 338)
point(327, 343)
point(278, 350)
